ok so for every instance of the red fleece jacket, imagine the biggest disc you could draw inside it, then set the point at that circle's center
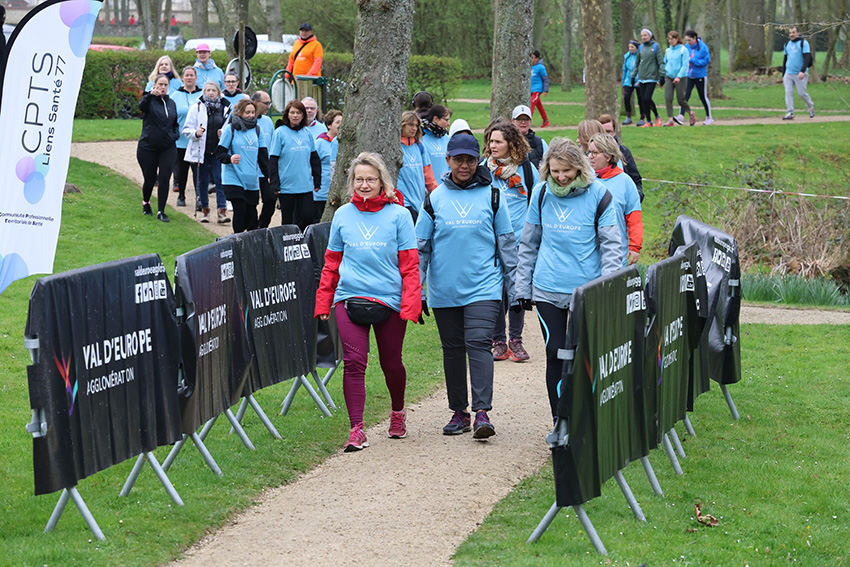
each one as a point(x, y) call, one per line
point(634, 222)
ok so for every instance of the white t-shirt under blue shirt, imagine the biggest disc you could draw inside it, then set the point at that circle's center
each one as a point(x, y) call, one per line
point(294, 148)
point(246, 143)
point(463, 267)
point(370, 243)
point(568, 256)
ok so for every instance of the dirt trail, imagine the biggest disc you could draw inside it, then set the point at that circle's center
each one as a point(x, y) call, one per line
point(407, 501)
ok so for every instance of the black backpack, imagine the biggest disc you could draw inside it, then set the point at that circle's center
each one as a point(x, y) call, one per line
point(600, 208)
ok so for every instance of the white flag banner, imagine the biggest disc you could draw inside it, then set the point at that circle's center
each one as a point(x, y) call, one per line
point(44, 67)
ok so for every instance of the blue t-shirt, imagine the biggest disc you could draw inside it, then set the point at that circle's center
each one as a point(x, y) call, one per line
point(624, 195)
point(183, 101)
point(317, 128)
point(327, 152)
point(568, 256)
point(294, 148)
point(370, 243)
point(516, 202)
point(795, 50)
point(411, 176)
point(266, 130)
point(463, 266)
point(210, 73)
point(436, 149)
point(233, 99)
point(246, 143)
point(173, 84)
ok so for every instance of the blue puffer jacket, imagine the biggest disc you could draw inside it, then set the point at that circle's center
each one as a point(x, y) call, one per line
point(699, 59)
point(628, 67)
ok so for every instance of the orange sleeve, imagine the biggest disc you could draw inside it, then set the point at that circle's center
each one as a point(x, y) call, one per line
point(318, 55)
point(634, 225)
point(411, 288)
point(328, 283)
point(430, 180)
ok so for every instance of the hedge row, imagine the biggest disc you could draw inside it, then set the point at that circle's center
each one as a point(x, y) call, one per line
point(113, 81)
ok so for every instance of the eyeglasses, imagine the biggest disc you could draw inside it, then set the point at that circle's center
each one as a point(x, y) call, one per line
point(468, 160)
point(594, 153)
point(367, 180)
point(266, 102)
point(230, 82)
point(523, 119)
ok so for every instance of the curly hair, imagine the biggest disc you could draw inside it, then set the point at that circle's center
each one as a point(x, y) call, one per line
point(518, 147)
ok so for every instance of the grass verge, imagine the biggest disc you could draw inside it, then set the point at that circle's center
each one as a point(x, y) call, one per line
point(776, 479)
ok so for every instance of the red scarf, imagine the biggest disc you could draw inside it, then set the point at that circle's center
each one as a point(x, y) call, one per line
point(371, 205)
point(608, 172)
point(513, 181)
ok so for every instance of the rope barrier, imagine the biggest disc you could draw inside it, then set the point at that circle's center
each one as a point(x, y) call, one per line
point(748, 189)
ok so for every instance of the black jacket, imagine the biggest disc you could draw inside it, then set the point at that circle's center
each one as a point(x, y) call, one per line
point(536, 143)
point(630, 169)
point(159, 123)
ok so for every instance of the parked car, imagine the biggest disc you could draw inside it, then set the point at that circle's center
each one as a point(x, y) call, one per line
point(217, 44)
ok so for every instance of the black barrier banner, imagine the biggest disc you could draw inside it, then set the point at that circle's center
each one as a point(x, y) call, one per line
point(274, 274)
point(723, 280)
point(699, 382)
point(673, 331)
point(216, 356)
point(106, 372)
point(328, 343)
point(601, 389)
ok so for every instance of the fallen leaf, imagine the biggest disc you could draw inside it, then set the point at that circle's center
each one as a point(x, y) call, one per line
point(706, 519)
point(691, 530)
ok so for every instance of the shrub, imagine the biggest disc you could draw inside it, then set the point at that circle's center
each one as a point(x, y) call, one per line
point(113, 81)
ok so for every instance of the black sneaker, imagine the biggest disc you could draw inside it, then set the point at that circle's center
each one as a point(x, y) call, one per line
point(483, 428)
point(181, 202)
point(458, 424)
point(146, 209)
point(162, 217)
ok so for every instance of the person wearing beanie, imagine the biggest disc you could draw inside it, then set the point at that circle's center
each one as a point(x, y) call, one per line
point(465, 289)
point(628, 82)
point(649, 65)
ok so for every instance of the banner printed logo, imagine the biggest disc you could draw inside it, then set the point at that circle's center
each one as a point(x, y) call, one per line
point(462, 210)
point(64, 370)
point(367, 233)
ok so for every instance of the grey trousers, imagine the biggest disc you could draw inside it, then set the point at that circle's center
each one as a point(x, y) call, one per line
point(669, 87)
point(792, 80)
point(467, 332)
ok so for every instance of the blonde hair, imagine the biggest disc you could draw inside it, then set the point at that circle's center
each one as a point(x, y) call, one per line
point(213, 84)
point(607, 144)
point(155, 72)
point(570, 155)
point(373, 160)
point(410, 117)
point(587, 129)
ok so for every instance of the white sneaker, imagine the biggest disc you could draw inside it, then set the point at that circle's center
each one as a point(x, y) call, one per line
point(680, 120)
point(709, 121)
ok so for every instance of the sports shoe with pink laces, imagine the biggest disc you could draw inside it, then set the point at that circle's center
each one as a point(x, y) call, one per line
point(356, 439)
point(398, 427)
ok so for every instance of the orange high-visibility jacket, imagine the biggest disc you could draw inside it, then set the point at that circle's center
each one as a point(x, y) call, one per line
point(309, 60)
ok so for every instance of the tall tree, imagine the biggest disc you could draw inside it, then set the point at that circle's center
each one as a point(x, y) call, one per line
point(627, 23)
point(749, 45)
point(200, 18)
point(730, 31)
point(566, 71)
point(598, 39)
point(713, 37)
point(667, 9)
point(275, 22)
point(770, 31)
point(377, 88)
point(653, 20)
point(228, 28)
point(540, 9)
point(511, 56)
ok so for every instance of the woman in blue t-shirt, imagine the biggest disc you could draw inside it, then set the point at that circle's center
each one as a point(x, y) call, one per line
point(467, 252)
point(415, 178)
point(242, 149)
point(435, 138)
point(296, 169)
point(371, 279)
point(327, 146)
point(570, 238)
point(506, 150)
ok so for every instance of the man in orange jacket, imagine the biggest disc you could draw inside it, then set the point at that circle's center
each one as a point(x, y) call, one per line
point(306, 55)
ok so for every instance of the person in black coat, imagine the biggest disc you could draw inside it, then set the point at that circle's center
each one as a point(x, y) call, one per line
point(609, 123)
point(156, 152)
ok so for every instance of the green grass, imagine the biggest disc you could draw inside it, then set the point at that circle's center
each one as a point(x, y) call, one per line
point(105, 223)
point(103, 130)
point(776, 479)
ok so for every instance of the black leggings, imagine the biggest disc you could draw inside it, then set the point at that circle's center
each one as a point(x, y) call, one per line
point(181, 172)
point(269, 201)
point(553, 322)
point(703, 95)
point(627, 99)
point(297, 208)
point(645, 102)
point(150, 161)
point(244, 207)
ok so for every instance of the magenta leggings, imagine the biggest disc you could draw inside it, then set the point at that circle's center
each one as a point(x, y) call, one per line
point(355, 354)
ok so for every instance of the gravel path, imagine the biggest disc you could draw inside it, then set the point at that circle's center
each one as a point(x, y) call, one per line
point(410, 501)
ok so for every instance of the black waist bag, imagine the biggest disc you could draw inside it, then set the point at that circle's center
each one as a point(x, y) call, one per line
point(364, 312)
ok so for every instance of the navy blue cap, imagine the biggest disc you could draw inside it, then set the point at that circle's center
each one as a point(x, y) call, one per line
point(463, 144)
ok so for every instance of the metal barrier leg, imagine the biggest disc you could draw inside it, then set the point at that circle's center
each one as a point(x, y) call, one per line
point(544, 523)
point(689, 427)
point(330, 374)
point(57, 511)
point(206, 428)
point(302, 381)
point(263, 417)
point(240, 413)
point(287, 401)
point(84, 511)
point(239, 431)
point(729, 402)
point(202, 449)
point(630, 498)
point(134, 474)
point(589, 529)
point(665, 440)
point(163, 478)
point(169, 460)
point(677, 443)
point(650, 474)
point(324, 391)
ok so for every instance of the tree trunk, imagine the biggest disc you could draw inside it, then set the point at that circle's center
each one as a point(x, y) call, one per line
point(749, 47)
point(845, 55)
point(598, 40)
point(377, 89)
point(809, 30)
point(730, 32)
point(275, 20)
point(627, 23)
point(200, 18)
point(164, 24)
point(566, 68)
point(227, 27)
point(541, 7)
point(713, 38)
point(653, 20)
point(667, 9)
point(830, 53)
point(770, 32)
point(511, 56)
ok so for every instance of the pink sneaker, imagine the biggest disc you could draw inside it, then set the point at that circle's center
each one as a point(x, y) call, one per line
point(356, 439)
point(518, 352)
point(398, 429)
